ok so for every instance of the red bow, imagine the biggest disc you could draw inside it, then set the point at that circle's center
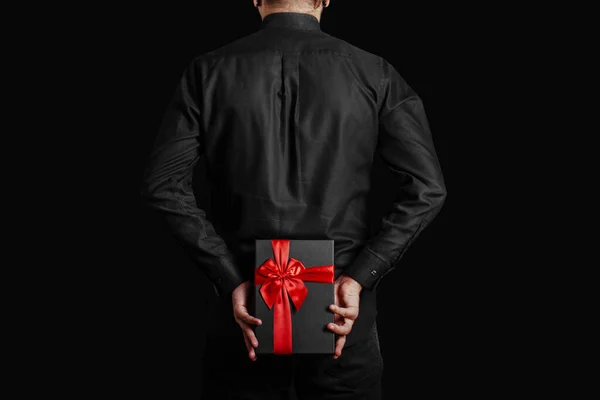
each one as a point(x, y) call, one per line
point(285, 277)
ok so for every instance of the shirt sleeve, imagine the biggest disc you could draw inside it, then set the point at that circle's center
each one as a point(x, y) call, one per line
point(406, 146)
point(167, 185)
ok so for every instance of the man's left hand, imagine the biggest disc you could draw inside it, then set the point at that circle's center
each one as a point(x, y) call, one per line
point(347, 300)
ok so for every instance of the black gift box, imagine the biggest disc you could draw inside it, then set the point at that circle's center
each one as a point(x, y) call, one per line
point(309, 333)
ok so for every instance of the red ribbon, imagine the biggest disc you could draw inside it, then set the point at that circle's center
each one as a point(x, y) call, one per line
point(285, 277)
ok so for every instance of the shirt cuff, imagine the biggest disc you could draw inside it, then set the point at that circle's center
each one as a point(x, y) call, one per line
point(367, 269)
point(228, 279)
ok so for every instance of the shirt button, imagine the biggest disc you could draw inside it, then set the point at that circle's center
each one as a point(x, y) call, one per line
point(219, 279)
point(373, 272)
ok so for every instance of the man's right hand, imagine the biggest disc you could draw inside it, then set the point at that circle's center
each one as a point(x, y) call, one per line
point(239, 299)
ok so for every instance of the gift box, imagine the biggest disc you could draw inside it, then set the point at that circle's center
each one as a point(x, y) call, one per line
point(293, 288)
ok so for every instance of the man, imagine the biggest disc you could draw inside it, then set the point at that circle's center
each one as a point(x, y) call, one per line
point(289, 119)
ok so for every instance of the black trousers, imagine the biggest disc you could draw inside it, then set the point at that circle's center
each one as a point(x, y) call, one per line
point(229, 374)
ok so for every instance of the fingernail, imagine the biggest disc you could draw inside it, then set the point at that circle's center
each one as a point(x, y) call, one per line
point(331, 325)
point(332, 307)
point(259, 322)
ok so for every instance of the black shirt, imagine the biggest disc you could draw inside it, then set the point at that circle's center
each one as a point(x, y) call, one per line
point(289, 119)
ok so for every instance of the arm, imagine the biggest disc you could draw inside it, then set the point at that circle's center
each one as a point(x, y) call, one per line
point(167, 185)
point(406, 146)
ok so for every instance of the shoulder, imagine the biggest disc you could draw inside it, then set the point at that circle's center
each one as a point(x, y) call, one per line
point(246, 44)
point(204, 62)
point(356, 52)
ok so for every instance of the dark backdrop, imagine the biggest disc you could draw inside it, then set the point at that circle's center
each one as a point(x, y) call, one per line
point(167, 299)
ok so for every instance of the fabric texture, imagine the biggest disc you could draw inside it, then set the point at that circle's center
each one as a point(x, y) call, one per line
point(289, 120)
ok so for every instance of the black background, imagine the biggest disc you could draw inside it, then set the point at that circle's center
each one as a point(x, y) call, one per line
point(165, 301)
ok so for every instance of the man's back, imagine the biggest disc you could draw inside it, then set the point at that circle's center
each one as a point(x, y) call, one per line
point(289, 119)
point(291, 128)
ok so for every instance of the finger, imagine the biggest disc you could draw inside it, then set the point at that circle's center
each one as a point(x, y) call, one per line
point(340, 329)
point(249, 333)
point(251, 353)
point(248, 345)
point(339, 345)
point(346, 312)
point(247, 318)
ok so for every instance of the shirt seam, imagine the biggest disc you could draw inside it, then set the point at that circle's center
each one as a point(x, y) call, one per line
point(381, 80)
point(391, 110)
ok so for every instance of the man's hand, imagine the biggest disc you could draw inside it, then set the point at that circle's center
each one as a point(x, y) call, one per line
point(239, 299)
point(347, 300)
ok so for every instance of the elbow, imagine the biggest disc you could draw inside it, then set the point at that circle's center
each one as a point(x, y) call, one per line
point(150, 196)
point(438, 196)
point(443, 193)
point(154, 192)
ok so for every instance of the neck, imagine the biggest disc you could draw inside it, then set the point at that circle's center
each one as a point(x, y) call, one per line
point(266, 10)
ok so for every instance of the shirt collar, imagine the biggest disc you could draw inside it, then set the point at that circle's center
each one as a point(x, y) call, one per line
point(291, 20)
